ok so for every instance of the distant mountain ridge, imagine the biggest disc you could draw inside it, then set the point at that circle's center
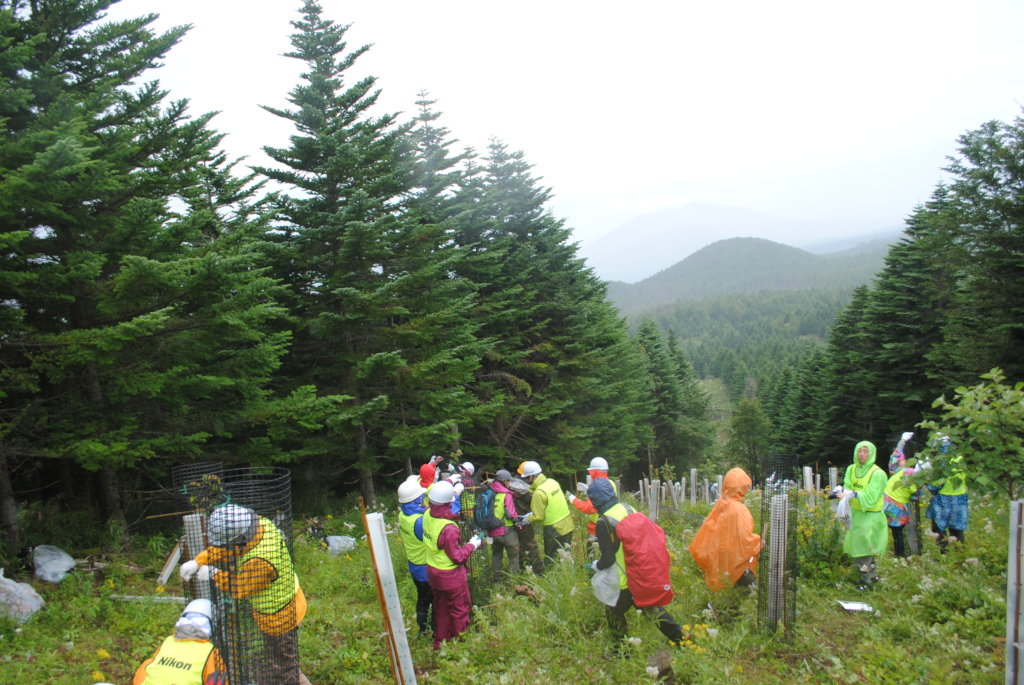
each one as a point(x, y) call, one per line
point(652, 242)
point(749, 265)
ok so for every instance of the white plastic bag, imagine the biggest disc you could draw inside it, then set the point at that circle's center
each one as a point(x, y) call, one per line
point(606, 585)
point(18, 600)
point(336, 544)
point(843, 511)
point(51, 563)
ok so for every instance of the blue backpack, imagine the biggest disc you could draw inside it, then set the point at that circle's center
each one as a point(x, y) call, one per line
point(483, 511)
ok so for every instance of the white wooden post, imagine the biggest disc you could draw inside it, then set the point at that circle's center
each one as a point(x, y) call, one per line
point(707, 492)
point(808, 481)
point(394, 623)
point(195, 542)
point(719, 481)
point(682, 489)
point(1014, 622)
point(833, 478)
point(693, 486)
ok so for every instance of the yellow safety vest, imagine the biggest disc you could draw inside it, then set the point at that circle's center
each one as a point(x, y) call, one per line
point(415, 549)
point(860, 485)
point(617, 513)
point(178, 662)
point(436, 556)
point(557, 508)
point(273, 549)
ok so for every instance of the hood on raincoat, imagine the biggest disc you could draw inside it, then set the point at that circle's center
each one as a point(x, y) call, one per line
point(871, 451)
point(736, 484)
point(602, 495)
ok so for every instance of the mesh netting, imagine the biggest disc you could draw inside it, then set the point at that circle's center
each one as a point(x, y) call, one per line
point(199, 486)
point(777, 568)
point(248, 533)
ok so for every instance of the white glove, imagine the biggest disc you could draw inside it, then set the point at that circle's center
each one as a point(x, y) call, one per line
point(524, 519)
point(436, 459)
point(488, 540)
point(454, 479)
point(188, 570)
point(848, 493)
point(458, 488)
point(571, 497)
point(206, 573)
point(837, 491)
point(475, 542)
point(581, 488)
point(907, 436)
point(922, 466)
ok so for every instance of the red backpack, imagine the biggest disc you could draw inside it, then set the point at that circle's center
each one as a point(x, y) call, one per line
point(647, 563)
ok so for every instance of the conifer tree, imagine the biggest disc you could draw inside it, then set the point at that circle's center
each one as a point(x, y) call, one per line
point(142, 325)
point(382, 312)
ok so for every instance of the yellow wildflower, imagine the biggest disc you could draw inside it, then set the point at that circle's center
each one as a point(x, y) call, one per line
point(102, 654)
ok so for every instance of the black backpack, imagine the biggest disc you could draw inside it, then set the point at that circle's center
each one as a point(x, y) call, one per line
point(483, 511)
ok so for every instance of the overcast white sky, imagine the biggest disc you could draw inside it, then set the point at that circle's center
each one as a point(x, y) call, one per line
point(806, 109)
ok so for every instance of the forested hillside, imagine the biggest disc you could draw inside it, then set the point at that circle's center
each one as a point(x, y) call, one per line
point(396, 297)
point(749, 265)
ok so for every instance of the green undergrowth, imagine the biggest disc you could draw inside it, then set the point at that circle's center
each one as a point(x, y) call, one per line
point(936, 619)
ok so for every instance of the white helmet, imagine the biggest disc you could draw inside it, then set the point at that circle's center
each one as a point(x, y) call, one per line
point(529, 468)
point(598, 464)
point(199, 606)
point(410, 490)
point(441, 492)
point(196, 621)
point(468, 468)
point(231, 523)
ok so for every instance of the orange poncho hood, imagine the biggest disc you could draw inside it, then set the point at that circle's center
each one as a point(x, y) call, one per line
point(726, 545)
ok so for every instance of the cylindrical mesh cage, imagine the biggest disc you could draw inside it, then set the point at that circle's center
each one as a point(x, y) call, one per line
point(478, 566)
point(199, 487)
point(777, 563)
point(253, 587)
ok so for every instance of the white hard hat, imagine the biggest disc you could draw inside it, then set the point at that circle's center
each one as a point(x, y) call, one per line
point(598, 464)
point(231, 523)
point(199, 606)
point(410, 490)
point(529, 468)
point(442, 492)
point(468, 468)
point(196, 622)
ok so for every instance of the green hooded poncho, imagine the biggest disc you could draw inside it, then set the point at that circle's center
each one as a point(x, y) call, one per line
point(869, 532)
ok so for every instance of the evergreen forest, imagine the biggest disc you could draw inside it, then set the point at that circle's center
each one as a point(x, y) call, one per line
point(378, 294)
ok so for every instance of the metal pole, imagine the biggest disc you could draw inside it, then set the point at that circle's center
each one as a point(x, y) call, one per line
point(1014, 622)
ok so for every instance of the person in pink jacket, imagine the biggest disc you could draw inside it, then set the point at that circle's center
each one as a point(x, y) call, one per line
point(446, 564)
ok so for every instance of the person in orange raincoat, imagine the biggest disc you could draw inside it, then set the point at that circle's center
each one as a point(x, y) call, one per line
point(726, 546)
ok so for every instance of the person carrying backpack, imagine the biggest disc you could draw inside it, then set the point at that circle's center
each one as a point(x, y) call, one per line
point(502, 510)
point(636, 572)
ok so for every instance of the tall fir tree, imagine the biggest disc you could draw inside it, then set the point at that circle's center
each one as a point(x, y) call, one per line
point(143, 324)
point(382, 312)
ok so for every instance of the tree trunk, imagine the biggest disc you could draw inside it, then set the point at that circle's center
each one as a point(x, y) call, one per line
point(8, 509)
point(110, 498)
point(365, 473)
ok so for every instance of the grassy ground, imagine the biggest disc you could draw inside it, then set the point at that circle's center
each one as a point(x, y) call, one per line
point(937, 619)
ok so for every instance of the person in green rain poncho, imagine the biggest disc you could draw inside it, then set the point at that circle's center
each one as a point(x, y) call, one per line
point(868, 537)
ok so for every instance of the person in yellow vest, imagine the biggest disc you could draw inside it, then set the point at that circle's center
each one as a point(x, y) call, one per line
point(612, 554)
point(504, 538)
point(864, 483)
point(410, 525)
point(898, 492)
point(446, 564)
point(549, 508)
point(948, 509)
point(248, 558)
point(187, 657)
